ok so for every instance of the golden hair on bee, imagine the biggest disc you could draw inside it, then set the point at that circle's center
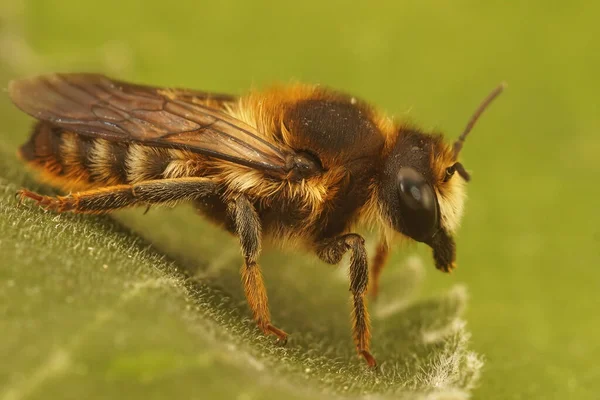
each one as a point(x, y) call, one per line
point(301, 165)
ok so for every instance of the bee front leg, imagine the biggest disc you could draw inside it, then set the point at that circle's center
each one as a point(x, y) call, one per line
point(379, 261)
point(248, 229)
point(331, 251)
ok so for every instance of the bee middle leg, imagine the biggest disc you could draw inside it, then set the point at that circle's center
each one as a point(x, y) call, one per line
point(331, 251)
point(248, 228)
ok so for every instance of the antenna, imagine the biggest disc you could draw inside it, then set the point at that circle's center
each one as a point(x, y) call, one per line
point(482, 107)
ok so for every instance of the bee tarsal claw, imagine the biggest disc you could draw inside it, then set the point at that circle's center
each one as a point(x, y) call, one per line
point(282, 337)
point(368, 357)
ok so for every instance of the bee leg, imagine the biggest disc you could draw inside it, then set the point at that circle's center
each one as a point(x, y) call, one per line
point(379, 262)
point(331, 251)
point(98, 201)
point(248, 229)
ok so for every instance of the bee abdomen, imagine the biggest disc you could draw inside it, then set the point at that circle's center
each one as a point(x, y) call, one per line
point(43, 149)
point(73, 161)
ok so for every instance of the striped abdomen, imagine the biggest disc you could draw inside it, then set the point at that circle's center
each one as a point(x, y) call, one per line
point(76, 162)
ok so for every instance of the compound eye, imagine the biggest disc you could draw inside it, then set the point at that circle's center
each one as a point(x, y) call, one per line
point(415, 192)
point(418, 205)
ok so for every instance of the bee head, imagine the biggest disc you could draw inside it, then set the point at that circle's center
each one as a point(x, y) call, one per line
point(423, 192)
point(423, 187)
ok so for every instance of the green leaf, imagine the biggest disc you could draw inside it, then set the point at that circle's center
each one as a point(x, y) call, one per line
point(151, 305)
point(528, 248)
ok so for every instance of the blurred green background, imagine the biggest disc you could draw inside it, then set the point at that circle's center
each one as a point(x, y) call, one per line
point(529, 246)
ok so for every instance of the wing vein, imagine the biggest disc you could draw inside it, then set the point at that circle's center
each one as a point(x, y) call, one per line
point(98, 107)
point(275, 149)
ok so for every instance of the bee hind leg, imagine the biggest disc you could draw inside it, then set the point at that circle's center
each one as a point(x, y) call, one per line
point(331, 251)
point(248, 229)
point(110, 198)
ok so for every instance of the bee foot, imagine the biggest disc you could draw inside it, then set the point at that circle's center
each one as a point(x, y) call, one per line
point(282, 337)
point(368, 358)
point(23, 194)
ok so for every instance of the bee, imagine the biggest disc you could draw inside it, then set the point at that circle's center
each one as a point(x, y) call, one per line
point(301, 164)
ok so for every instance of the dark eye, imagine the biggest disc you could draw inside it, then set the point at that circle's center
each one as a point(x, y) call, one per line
point(449, 172)
point(418, 205)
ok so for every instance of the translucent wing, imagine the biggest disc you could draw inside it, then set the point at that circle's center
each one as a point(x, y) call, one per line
point(95, 105)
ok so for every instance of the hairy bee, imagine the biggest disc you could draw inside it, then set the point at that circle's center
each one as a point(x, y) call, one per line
point(301, 164)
